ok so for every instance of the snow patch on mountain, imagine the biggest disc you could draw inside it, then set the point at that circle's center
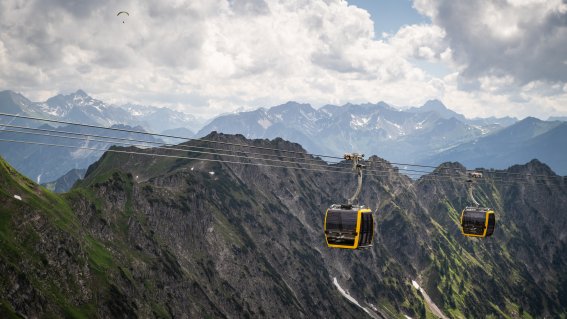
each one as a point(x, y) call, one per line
point(350, 298)
point(85, 150)
point(53, 111)
point(358, 122)
point(419, 125)
point(310, 116)
point(264, 123)
point(436, 311)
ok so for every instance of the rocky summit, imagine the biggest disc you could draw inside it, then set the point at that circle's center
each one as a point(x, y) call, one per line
point(182, 234)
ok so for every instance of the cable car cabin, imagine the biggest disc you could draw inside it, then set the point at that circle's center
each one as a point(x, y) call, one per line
point(348, 226)
point(477, 222)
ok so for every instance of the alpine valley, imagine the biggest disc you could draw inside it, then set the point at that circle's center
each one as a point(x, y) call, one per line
point(45, 163)
point(158, 236)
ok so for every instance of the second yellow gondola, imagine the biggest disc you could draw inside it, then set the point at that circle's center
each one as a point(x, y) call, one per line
point(478, 222)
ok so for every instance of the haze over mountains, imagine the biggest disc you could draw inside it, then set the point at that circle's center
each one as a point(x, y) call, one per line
point(518, 143)
point(430, 134)
point(44, 163)
point(81, 108)
point(397, 135)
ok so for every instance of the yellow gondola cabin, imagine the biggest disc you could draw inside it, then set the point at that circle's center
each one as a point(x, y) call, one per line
point(348, 226)
point(478, 222)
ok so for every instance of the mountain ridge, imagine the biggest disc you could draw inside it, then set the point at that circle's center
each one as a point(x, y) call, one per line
point(428, 135)
point(81, 107)
point(248, 239)
point(407, 136)
point(529, 138)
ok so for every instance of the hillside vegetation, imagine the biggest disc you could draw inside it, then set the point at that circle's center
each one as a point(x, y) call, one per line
point(164, 237)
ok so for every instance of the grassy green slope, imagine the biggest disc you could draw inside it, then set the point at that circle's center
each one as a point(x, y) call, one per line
point(497, 276)
point(41, 245)
point(53, 265)
point(166, 237)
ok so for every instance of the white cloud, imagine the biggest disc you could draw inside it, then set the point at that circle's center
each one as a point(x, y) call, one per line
point(507, 55)
point(524, 39)
point(420, 41)
point(214, 56)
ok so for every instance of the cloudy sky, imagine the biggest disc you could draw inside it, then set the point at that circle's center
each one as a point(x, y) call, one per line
point(481, 58)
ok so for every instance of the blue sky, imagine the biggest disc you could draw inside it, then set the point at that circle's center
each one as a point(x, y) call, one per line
point(390, 15)
point(206, 57)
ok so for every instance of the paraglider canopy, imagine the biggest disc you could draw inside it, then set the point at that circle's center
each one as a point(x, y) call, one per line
point(124, 13)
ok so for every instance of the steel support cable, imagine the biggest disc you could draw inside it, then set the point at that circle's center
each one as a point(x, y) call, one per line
point(511, 180)
point(551, 179)
point(199, 158)
point(492, 172)
point(127, 143)
point(187, 148)
point(499, 182)
point(393, 169)
point(517, 175)
point(187, 138)
point(407, 164)
point(489, 172)
point(142, 143)
point(437, 175)
point(172, 149)
point(211, 141)
point(218, 142)
point(470, 187)
point(182, 157)
point(163, 135)
point(484, 171)
point(512, 177)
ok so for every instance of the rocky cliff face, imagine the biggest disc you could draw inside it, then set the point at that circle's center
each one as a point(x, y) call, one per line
point(518, 269)
point(170, 237)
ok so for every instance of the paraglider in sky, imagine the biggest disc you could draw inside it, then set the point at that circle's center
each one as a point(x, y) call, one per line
point(123, 12)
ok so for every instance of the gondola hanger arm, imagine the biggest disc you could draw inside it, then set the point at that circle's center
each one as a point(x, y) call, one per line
point(472, 176)
point(357, 167)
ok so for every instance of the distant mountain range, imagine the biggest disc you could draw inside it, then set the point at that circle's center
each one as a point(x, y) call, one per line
point(81, 108)
point(65, 182)
point(44, 163)
point(430, 134)
point(528, 139)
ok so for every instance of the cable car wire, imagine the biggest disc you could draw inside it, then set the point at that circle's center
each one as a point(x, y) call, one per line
point(164, 135)
point(204, 140)
point(186, 148)
point(239, 145)
point(179, 147)
point(190, 139)
point(173, 149)
point(328, 169)
point(127, 141)
point(431, 175)
point(179, 157)
point(211, 141)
